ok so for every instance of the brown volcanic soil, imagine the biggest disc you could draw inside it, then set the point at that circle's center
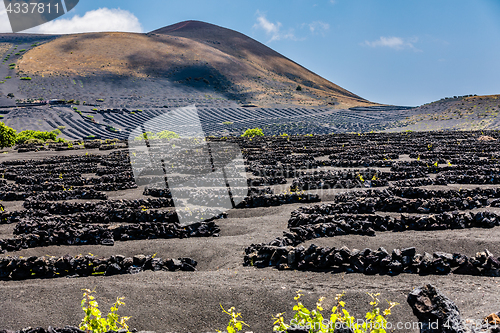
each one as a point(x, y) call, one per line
point(4, 47)
point(189, 301)
point(243, 47)
point(228, 62)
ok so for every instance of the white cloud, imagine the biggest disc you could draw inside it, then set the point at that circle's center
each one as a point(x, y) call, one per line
point(269, 27)
point(102, 19)
point(333, 2)
point(396, 43)
point(273, 30)
point(319, 27)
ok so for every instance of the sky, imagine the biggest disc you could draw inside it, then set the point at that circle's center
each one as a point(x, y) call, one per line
point(397, 52)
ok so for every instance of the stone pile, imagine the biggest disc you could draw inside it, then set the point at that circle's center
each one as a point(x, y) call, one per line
point(21, 268)
point(371, 262)
point(71, 193)
point(36, 233)
point(269, 200)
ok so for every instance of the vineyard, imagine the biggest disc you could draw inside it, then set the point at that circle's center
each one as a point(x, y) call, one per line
point(355, 212)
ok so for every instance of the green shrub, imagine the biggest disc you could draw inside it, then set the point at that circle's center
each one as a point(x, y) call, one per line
point(251, 132)
point(35, 141)
point(26, 135)
point(375, 320)
point(8, 77)
point(100, 100)
point(227, 123)
point(94, 109)
point(7, 136)
point(22, 50)
point(25, 78)
point(13, 64)
point(159, 135)
point(94, 323)
point(234, 325)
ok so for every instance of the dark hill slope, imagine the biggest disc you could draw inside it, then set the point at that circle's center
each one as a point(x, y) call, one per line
point(241, 46)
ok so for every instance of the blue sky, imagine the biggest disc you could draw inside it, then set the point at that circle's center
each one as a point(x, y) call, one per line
point(395, 52)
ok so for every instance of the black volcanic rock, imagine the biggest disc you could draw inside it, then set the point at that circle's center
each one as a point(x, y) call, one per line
point(436, 312)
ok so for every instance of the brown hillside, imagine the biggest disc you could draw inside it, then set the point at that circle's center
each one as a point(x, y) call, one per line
point(463, 105)
point(460, 113)
point(244, 47)
point(208, 56)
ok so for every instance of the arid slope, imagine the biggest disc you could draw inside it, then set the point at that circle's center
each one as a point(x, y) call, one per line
point(191, 53)
point(458, 113)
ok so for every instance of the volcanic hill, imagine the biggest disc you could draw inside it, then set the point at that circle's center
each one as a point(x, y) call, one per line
point(190, 55)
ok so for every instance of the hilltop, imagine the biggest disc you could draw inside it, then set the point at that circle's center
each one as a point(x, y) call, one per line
point(470, 112)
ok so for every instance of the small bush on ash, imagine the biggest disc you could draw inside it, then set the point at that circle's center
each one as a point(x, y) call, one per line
point(26, 135)
point(159, 135)
point(235, 324)
point(7, 136)
point(313, 320)
point(34, 141)
point(251, 132)
point(94, 323)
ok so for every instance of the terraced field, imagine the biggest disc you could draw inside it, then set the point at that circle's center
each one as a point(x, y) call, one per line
point(356, 212)
point(215, 121)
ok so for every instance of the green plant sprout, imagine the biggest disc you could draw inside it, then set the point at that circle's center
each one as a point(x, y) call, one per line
point(313, 320)
point(251, 132)
point(159, 135)
point(234, 325)
point(94, 323)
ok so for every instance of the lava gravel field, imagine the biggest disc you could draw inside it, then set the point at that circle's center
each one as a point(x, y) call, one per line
point(374, 212)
